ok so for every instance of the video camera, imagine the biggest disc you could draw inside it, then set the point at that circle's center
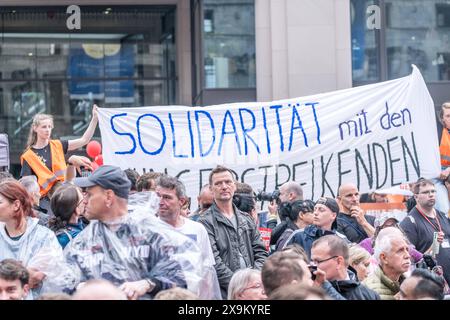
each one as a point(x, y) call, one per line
point(268, 196)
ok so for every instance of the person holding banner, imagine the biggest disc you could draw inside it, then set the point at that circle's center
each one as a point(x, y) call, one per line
point(235, 240)
point(352, 220)
point(442, 196)
point(45, 157)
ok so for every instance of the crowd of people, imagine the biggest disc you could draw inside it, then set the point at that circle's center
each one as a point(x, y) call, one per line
point(116, 234)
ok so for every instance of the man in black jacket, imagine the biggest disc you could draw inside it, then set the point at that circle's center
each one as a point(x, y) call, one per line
point(234, 237)
point(330, 254)
point(352, 221)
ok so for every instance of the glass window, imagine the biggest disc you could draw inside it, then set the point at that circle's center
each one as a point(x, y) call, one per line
point(122, 57)
point(229, 44)
point(365, 57)
point(418, 32)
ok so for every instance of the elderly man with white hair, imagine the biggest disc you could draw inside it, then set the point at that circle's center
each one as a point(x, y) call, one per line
point(392, 253)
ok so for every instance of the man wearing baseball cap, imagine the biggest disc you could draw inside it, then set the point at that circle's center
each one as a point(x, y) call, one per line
point(324, 223)
point(116, 247)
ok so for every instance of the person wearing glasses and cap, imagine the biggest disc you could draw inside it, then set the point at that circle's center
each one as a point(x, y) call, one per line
point(324, 223)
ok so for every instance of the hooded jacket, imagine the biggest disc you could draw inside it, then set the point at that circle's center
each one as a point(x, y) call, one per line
point(37, 248)
point(352, 289)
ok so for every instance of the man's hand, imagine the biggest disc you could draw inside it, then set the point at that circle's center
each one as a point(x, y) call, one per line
point(321, 277)
point(36, 277)
point(273, 208)
point(440, 237)
point(359, 214)
point(134, 290)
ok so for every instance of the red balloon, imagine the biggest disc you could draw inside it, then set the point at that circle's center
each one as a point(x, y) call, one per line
point(99, 159)
point(94, 166)
point(93, 149)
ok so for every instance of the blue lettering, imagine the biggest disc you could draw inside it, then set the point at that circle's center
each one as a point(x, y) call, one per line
point(163, 132)
point(245, 130)
point(199, 132)
point(174, 143)
point(313, 105)
point(280, 130)
point(224, 124)
point(191, 135)
point(300, 126)
point(111, 121)
point(265, 128)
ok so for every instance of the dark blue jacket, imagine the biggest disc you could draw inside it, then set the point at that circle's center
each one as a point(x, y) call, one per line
point(311, 233)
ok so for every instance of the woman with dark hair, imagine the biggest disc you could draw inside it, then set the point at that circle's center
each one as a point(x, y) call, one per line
point(67, 206)
point(22, 239)
point(300, 214)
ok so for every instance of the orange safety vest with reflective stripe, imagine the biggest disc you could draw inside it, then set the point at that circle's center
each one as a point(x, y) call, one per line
point(47, 178)
point(444, 149)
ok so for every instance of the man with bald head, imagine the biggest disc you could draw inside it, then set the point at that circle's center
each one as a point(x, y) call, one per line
point(289, 192)
point(352, 220)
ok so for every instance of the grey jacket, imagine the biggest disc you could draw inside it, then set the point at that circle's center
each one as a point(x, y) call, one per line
point(226, 243)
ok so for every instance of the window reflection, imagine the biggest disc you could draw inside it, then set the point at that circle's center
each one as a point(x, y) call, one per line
point(418, 33)
point(229, 44)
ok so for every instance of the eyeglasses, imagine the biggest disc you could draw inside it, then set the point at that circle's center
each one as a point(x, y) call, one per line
point(256, 286)
point(317, 262)
point(428, 192)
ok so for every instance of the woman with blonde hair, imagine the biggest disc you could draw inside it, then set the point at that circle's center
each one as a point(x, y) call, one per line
point(359, 259)
point(45, 157)
point(246, 284)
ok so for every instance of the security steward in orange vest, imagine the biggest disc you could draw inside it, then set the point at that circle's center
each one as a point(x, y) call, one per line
point(442, 198)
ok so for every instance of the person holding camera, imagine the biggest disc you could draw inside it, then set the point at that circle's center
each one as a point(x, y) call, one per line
point(300, 214)
point(330, 254)
point(288, 192)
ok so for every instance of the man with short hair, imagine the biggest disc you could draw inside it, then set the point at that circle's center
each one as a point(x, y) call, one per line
point(172, 195)
point(14, 279)
point(282, 268)
point(330, 254)
point(424, 220)
point(324, 223)
point(235, 240)
point(352, 220)
point(422, 284)
point(117, 247)
point(392, 254)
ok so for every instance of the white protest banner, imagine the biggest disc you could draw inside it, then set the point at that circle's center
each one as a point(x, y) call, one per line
point(376, 136)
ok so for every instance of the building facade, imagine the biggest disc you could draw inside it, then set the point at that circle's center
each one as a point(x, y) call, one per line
point(60, 59)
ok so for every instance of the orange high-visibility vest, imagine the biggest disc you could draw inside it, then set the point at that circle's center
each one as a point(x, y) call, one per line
point(47, 178)
point(444, 149)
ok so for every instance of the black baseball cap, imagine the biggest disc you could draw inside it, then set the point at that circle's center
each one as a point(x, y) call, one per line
point(107, 177)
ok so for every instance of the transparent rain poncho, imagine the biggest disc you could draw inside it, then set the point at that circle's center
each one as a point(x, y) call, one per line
point(37, 248)
point(136, 247)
